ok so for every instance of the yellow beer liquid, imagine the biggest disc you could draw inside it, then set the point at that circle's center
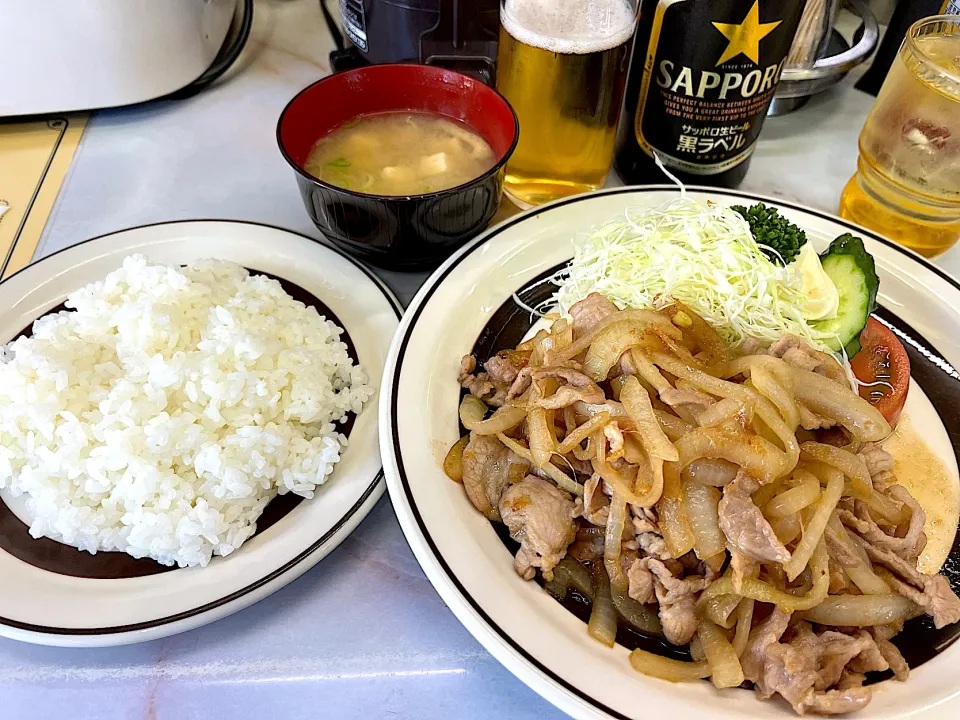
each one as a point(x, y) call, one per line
point(907, 185)
point(566, 87)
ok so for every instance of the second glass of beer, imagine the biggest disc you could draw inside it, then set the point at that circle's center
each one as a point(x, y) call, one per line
point(562, 64)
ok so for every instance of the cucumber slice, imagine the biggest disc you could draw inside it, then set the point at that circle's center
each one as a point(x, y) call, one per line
point(852, 270)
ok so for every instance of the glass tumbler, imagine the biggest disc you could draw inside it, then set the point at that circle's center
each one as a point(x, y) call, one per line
point(907, 185)
point(562, 64)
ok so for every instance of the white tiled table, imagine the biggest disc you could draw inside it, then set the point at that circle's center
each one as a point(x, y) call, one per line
point(362, 635)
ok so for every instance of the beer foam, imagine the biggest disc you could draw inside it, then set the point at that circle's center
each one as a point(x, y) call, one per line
point(570, 27)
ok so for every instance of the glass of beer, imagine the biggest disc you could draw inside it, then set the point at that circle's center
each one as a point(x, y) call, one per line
point(907, 185)
point(562, 64)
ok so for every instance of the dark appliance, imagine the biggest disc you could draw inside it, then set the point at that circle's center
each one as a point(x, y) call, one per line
point(459, 35)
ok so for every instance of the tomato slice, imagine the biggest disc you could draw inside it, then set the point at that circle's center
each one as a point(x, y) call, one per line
point(883, 364)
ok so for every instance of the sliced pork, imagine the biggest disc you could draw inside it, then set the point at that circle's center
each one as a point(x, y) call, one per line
point(816, 673)
point(693, 399)
point(908, 547)
point(676, 595)
point(809, 420)
point(540, 517)
point(588, 312)
point(930, 592)
point(596, 505)
point(494, 383)
point(835, 702)
point(744, 525)
point(796, 352)
point(762, 637)
point(488, 466)
point(641, 583)
point(479, 384)
point(502, 369)
point(879, 463)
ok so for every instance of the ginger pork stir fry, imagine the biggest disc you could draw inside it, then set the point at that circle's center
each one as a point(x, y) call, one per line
point(737, 503)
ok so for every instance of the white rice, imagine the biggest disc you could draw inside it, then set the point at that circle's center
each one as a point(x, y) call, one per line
point(162, 415)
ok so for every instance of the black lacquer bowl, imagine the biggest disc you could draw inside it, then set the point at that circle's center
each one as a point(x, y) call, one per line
point(410, 232)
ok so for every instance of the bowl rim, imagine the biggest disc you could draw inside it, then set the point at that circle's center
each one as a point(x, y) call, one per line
point(501, 162)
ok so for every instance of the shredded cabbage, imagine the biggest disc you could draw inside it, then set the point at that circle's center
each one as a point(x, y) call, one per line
point(699, 253)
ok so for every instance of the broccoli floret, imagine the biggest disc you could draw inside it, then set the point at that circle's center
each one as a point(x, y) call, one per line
point(772, 230)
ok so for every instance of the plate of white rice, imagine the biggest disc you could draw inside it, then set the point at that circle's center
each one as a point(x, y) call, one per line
point(187, 423)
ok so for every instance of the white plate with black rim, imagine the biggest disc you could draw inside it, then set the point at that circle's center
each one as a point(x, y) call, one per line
point(467, 306)
point(54, 594)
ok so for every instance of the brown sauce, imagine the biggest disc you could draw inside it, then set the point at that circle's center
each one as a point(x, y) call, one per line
point(926, 477)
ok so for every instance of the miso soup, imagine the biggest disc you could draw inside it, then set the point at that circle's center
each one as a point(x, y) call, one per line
point(400, 153)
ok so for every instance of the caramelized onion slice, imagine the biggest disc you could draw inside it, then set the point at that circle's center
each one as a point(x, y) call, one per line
point(612, 407)
point(765, 410)
point(570, 574)
point(710, 472)
point(796, 498)
point(744, 622)
point(863, 610)
point(473, 409)
point(756, 455)
point(668, 669)
point(612, 541)
point(832, 400)
point(775, 383)
point(725, 669)
point(766, 593)
point(813, 531)
point(638, 406)
point(674, 521)
point(602, 626)
point(787, 529)
point(846, 462)
point(639, 617)
point(453, 462)
point(862, 575)
point(886, 510)
point(720, 412)
point(721, 610)
point(673, 426)
point(648, 371)
point(550, 470)
point(624, 486)
point(543, 442)
point(580, 433)
point(701, 502)
point(637, 317)
point(612, 342)
point(713, 351)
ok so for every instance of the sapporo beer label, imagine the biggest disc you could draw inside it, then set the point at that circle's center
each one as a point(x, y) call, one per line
point(710, 72)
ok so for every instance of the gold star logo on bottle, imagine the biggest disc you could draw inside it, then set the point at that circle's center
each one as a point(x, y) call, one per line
point(745, 38)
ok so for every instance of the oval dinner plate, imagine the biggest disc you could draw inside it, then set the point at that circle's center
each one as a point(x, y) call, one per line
point(53, 606)
point(467, 304)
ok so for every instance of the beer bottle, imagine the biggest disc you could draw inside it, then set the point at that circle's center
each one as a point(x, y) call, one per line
point(702, 76)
